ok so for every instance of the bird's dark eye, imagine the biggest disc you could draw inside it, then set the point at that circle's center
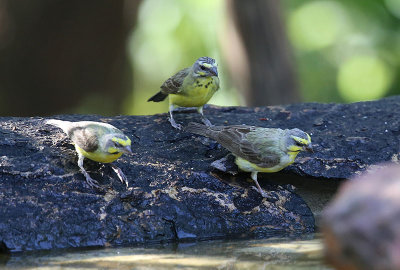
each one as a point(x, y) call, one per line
point(203, 67)
point(299, 143)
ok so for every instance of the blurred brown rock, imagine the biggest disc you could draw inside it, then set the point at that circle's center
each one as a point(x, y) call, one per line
point(361, 226)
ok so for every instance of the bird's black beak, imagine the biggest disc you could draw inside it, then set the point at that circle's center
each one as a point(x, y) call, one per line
point(127, 149)
point(214, 71)
point(308, 148)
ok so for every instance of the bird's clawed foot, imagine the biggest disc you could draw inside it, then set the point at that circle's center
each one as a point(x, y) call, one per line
point(91, 182)
point(206, 122)
point(174, 124)
point(258, 187)
point(171, 118)
point(120, 174)
point(203, 118)
point(262, 192)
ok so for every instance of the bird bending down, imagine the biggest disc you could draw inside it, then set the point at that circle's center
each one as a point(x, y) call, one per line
point(97, 141)
point(257, 149)
point(190, 87)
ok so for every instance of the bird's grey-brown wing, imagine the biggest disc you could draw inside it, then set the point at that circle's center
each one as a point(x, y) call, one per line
point(237, 140)
point(173, 84)
point(85, 138)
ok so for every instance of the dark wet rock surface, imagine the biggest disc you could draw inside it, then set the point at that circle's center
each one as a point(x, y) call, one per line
point(174, 193)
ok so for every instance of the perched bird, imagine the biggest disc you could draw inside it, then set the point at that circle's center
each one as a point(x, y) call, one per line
point(97, 141)
point(190, 87)
point(257, 149)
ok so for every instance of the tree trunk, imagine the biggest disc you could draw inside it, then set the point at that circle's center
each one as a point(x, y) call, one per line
point(58, 55)
point(269, 76)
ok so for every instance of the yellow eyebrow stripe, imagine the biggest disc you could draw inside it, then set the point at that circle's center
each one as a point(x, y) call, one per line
point(121, 141)
point(301, 140)
point(207, 65)
point(309, 138)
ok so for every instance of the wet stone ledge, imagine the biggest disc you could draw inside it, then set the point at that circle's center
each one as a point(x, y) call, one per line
point(174, 193)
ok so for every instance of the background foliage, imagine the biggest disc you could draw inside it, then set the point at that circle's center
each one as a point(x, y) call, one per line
point(113, 61)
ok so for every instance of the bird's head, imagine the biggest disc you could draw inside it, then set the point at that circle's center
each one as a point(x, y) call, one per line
point(205, 67)
point(117, 143)
point(298, 140)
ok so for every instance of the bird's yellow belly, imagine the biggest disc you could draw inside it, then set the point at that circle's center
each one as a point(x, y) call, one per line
point(195, 96)
point(247, 166)
point(99, 156)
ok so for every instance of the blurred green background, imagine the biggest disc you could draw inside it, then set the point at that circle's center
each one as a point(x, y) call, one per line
point(109, 57)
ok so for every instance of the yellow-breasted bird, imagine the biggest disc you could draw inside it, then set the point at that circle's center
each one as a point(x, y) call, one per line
point(257, 149)
point(190, 87)
point(97, 141)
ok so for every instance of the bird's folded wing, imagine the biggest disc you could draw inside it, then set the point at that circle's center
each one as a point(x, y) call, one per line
point(173, 84)
point(234, 138)
point(85, 138)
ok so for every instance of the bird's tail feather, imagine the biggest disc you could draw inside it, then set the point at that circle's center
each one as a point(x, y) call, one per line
point(64, 125)
point(199, 129)
point(158, 97)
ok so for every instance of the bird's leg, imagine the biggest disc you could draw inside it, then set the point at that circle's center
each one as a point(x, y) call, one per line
point(203, 118)
point(259, 189)
point(120, 174)
point(91, 182)
point(171, 118)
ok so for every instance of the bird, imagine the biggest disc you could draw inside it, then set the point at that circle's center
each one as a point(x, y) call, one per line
point(190, 87)
point(97, 141)
point(257, 149)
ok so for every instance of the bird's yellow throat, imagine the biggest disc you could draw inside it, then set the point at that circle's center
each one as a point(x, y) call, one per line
point(99, 156)
point(195, 95)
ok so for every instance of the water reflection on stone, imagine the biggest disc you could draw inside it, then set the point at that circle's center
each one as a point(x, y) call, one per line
point(244, 254)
